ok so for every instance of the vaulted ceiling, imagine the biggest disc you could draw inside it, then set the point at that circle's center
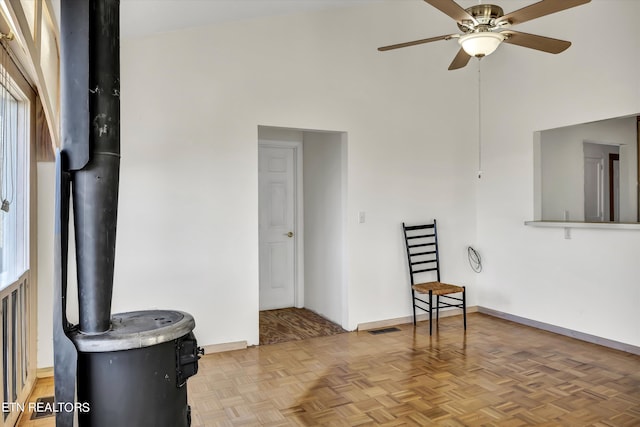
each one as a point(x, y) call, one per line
point(145, 17)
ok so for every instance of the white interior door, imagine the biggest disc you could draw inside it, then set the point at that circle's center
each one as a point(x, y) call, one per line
point(276, 170)
point(593, 188)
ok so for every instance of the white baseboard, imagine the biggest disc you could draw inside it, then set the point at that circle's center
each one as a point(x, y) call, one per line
point(229, 346)
point(240, 345)
point(44, 372)
point(562, 331)
point(409, 319)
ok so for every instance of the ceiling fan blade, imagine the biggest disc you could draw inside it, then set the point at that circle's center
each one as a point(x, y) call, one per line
point(532, 41)
point(453, 9)
point(415, 42)
point(460, 61)
point(537, 10)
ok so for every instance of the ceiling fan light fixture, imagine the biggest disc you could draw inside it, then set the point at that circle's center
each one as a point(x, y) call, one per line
point(480, 44)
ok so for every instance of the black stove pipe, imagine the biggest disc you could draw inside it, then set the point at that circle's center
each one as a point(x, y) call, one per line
point(95, 176)
point(87, 172)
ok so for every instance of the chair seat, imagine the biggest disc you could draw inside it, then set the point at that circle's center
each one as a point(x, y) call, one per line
point(438, 288)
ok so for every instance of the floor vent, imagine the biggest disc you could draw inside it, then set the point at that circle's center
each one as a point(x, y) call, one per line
point(43, 407)
point(383, 331)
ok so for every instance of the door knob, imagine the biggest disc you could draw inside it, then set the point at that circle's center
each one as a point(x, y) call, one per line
point(289, 234)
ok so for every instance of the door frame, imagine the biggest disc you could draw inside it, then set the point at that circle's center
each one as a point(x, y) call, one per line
point(613, 157)
point(298, 214)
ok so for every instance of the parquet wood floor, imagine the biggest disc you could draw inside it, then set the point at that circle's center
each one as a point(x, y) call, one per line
point(290, 324)
point(498, 373)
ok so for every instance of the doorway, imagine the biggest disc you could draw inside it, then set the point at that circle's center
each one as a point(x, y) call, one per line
point(601, 182)
point(302, 194)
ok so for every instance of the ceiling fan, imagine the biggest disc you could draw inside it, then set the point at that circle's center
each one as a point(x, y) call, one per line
point(485, 26)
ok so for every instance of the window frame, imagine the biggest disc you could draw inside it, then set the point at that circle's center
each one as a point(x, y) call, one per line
point(23, 352)
point(19, 211)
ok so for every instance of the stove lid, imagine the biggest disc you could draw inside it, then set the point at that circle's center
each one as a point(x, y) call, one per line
point(136, 329)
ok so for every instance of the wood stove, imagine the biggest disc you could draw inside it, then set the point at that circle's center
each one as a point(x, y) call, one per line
point(127, 369)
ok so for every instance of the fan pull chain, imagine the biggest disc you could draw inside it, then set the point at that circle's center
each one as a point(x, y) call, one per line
point(479, 121)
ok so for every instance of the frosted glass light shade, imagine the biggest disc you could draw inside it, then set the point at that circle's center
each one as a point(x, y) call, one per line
point(480, 44)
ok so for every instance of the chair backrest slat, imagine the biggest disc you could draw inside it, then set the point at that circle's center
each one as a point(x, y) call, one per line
point(428, 261)
point(424, 270)
point(422, 245)
point(423, 253)
point(421, 236)
point(419, 227)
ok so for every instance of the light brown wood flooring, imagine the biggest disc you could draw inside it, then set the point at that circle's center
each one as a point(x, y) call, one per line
point(498, 373)
point(291, 324)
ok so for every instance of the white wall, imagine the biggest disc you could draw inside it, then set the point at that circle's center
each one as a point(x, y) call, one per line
point(324, 243)
point(562, 167)
point(534, 272)
point(191, 104)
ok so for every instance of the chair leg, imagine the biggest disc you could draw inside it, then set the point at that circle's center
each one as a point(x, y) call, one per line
point(464, 306)
point(413, 302)
point(437, 308)
point(430, 311)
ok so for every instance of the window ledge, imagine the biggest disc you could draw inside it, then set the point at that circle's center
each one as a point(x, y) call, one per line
point(577, 224)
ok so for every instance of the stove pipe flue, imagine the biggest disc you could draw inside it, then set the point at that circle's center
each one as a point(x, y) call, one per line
point(91, 142)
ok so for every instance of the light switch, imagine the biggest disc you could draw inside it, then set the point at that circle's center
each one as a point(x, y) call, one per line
point(361, 217)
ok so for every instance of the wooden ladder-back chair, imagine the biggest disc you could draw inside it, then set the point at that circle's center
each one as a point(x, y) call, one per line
point(422, 255)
